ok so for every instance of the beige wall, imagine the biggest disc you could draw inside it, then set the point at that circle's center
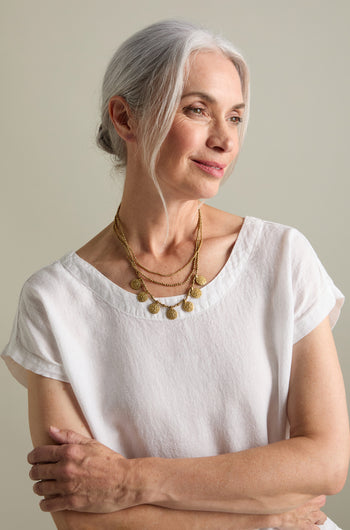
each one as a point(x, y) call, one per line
point(57, 190)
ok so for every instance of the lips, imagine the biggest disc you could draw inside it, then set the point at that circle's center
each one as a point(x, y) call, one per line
point(213, 168)
point(210, 164)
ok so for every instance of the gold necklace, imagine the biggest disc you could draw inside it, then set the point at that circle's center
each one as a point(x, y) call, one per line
point(119, 227)
point(138, 283)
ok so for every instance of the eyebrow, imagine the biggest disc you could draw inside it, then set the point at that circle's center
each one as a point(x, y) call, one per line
point(208, 98)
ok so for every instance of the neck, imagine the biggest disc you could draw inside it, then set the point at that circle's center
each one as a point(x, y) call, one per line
point(147, 226)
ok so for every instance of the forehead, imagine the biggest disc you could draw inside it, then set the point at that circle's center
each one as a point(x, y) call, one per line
point(212, 71)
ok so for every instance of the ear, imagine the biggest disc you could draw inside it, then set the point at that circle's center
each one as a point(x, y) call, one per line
point(122, 118)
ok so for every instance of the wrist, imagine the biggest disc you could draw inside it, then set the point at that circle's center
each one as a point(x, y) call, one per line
point(142, 480)
point(273, 520)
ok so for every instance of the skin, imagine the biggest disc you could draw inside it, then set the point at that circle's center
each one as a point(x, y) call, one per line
point(280, 485)
point(61, 406)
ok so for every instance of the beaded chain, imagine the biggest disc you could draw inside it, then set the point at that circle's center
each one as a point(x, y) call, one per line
point(138, 283)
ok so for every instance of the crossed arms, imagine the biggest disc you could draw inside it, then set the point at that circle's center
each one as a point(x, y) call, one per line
point(272, 486)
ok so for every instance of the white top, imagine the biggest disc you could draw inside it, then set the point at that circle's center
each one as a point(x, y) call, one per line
point(210, 382)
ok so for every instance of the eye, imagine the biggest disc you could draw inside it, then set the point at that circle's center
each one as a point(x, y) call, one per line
point(198, 111)
point(236, 119)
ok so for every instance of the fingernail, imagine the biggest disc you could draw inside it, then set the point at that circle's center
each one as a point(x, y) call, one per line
point(54, 429)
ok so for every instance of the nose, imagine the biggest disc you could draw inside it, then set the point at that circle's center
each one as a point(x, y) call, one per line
point(221, 137)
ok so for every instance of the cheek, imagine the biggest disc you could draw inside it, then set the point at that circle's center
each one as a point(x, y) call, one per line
point(237, 147)
point(186, 138)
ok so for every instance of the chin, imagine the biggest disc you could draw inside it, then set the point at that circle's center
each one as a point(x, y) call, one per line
point(205, 196)
point(203, 188)
point(208, 192)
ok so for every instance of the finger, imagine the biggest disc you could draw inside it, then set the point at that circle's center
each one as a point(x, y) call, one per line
point(45, 453)
point(321, 500)
point(63, 436)
point(43, 472)
point(46, 488)
point(322, 519)
point(317, 517)
point(316, 502)
point(53, 488)
point(56, 504)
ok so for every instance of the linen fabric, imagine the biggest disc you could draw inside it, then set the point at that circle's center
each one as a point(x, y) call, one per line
point(210, 382)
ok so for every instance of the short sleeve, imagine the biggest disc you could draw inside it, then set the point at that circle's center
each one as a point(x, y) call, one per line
point(315, 295)
point(32, 344)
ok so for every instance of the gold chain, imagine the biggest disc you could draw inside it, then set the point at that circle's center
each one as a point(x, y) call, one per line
point(119, 227)
point(139, 282)
point(121, 236)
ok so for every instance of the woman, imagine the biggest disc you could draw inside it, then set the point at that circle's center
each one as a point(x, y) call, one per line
point(185, 353)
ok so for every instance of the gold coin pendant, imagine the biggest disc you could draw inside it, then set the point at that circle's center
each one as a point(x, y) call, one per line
point(135, 284)
point(195, 292)
point(200, 280)
point(154, 308)
point(171, 313)
point(142, 296)
point(187, 306)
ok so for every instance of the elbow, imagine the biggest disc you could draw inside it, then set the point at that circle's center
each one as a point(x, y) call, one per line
point(337, 470)
point(336, 480)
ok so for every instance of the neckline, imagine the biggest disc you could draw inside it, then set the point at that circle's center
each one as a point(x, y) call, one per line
point(126, 302)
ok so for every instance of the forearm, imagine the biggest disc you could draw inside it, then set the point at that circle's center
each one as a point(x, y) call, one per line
point(157, 518)
point(270, 479)
point(281, 475)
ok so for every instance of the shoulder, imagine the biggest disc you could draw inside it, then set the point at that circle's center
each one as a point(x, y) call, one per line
point(276, 247)
point(273, 235)
point(48, 281)
point(264, 233)
point(284, 247)
point(226, 223)
point(265, 240)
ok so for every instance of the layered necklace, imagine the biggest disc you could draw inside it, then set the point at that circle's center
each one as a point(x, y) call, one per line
point(193, 279)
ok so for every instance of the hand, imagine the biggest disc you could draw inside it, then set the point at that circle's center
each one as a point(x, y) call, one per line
point(306, 517)
point(79, 474)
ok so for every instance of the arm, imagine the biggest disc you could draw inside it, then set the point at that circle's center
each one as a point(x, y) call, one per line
point(53, 402)
point(154, 518)
point(281, 475)
point(275, 478)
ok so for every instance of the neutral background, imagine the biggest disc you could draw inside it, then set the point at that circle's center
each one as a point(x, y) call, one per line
point(58, 189)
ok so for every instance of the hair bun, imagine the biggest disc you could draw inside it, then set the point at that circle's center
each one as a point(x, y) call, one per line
point(104, 140)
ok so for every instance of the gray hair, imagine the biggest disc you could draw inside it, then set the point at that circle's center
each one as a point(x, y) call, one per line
point(149, 72)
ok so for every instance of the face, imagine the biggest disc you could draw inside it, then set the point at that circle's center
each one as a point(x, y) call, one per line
point(203, 140)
